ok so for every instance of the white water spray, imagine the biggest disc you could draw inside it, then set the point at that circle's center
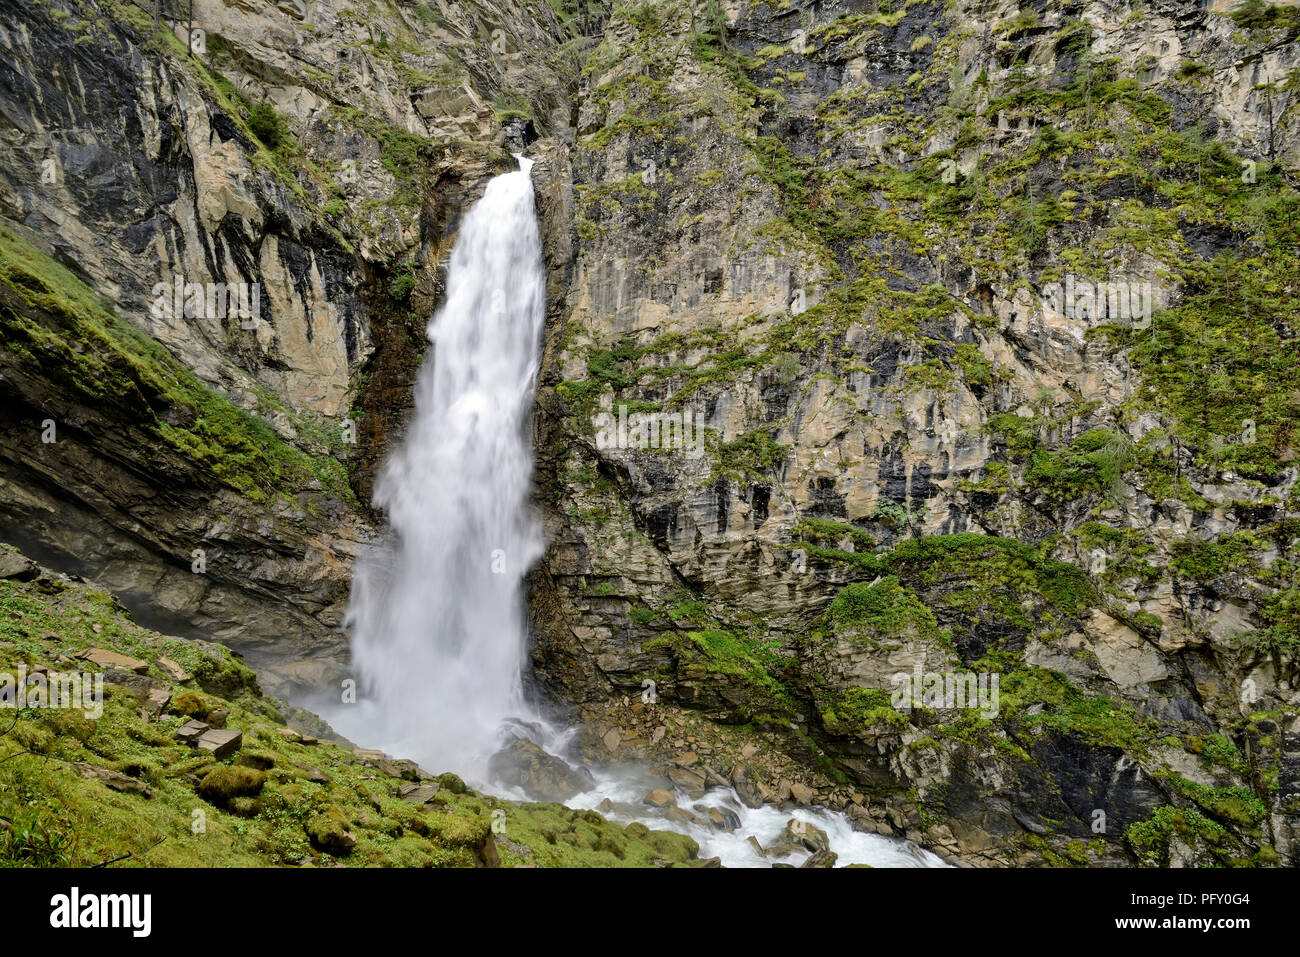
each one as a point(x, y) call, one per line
point(437, 617)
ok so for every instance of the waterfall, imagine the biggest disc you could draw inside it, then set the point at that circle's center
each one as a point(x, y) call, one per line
point(437, 616)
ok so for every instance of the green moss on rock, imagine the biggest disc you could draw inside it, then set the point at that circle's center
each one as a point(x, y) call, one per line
point(231, 781)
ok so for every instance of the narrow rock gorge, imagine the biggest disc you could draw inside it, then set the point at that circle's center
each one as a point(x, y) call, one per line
point(888, 344)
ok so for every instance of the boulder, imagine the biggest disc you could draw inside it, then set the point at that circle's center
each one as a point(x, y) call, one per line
point(805, 834)
point(783, 849)
point(16, 566)
point(255, 760)
point(221, 742)
point(541, 776)
point(722, 818)
point(712, 778)
point(223, 784)
point(747, 789)
point(860, 817)
point(113, 779)
point(156, 701)
point(139, 685)
point(315, 775)
point(660, 798)
point(821, 859)
point(190, 732)
point(328, 832)
point(172, 670)
point(692, 782)
point(452, 783)
point(190, 705)
point(802, 793)
point(682, 816)
point(418, 793)
point(111, 659)
point(404, 769)
point(487, 854)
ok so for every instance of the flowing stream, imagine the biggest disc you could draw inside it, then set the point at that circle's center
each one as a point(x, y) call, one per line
point(439, 633)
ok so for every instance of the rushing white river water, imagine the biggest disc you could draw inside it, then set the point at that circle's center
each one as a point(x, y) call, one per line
point(439, 634)
point(765, 823)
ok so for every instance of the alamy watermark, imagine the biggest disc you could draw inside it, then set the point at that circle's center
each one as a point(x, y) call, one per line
point(208, 300)
point(130, 911)
point(941, 690)
point(67, 691)
point(1118, 301)
point(670, 431)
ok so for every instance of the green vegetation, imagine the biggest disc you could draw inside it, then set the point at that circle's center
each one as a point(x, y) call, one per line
point(1126, 552)
point(996, 572)
point(739, 664)
point(1203, 560)
point(1096, 719)
point(267, 126)
point(992, 578)
point(861, 711)
point(882, 609)
point(1091, 465)
point(1192, 69)
point(1281, 636)
point(1261, 15)
point(754, 455)
point(1095, 130)
point(278, 801)
point(400, 152)
point(1219, 364)
point(1234, 805)
point(1150, 838)
point(822, 531)
point(1219, 752)
point(226, 782)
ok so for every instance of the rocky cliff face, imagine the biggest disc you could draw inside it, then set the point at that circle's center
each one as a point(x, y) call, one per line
point(308, 164)
point(861, 243)
point(985, 313)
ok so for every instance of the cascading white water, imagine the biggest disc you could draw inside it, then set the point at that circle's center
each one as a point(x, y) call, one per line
point(437, 617)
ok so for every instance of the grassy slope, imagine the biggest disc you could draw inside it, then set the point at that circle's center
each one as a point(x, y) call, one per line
point(50, 815)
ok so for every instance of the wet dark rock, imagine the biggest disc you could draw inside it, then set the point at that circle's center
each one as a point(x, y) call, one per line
point(540, 775)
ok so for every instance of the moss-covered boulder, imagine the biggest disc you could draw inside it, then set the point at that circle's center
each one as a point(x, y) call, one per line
point(329, 832)
point(222, 784)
